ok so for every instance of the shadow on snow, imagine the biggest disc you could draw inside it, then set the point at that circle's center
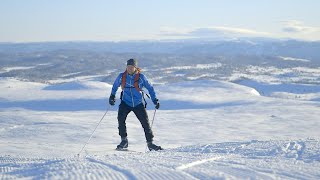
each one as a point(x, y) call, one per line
point(102, 104)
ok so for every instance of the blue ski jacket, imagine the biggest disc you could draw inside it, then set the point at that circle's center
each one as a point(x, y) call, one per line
point(131, 96)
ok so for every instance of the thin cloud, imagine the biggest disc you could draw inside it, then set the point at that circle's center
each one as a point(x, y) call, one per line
point(294, 26)
point(211, 32)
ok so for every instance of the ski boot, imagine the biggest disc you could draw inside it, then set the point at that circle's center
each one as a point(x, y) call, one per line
point(153, 147)
point(123, 144)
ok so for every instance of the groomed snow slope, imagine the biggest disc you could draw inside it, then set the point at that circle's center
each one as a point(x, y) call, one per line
point(210, 129)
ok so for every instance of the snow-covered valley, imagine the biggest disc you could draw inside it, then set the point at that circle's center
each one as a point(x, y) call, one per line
point(209, 129)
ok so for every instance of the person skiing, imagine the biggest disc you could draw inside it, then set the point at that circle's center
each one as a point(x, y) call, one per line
point(131, 82)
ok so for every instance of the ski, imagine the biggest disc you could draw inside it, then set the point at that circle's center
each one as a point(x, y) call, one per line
point(127, 150)
point(122, 149)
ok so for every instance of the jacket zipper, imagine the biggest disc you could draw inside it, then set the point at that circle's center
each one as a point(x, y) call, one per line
point(131, 90)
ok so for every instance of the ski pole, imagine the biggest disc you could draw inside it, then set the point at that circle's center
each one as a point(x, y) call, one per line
point(93, 132)
point(154, 114)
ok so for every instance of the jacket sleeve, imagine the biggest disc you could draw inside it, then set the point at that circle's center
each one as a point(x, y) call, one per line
point(149, 87)
point(116, 84)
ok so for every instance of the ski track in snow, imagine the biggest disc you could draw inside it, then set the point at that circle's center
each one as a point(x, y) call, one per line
point(195, 163)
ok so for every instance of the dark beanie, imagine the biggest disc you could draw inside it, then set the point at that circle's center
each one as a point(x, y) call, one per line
point(132, 62)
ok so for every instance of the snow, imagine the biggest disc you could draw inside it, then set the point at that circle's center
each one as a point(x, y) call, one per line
point(196, 66)
point(8, 69)
point(209, 129)
point(298, 83)
point(293, 59)
point(271, 74)
point(286, 91)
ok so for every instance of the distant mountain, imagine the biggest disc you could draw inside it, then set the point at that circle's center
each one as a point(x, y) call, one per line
point(169, 61)
point(245, 46)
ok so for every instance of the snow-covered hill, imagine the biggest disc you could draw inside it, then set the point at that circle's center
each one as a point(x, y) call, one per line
point(209, 129)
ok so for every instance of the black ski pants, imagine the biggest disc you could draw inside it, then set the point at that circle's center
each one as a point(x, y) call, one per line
point(141, 114)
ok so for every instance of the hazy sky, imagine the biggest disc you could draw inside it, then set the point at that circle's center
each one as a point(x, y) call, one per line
point(118, 20)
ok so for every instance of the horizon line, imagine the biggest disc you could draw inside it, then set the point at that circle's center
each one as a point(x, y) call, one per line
point(157, 40)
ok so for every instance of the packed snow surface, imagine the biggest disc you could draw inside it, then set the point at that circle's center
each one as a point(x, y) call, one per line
point(209, 129)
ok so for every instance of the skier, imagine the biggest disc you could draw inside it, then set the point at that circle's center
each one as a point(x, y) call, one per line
point(131, 82)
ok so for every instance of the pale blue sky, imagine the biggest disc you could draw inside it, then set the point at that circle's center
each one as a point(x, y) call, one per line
point(104, 20)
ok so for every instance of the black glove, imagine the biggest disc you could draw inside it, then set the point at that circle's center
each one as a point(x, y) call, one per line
point(112, 100)
point(156, 102)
